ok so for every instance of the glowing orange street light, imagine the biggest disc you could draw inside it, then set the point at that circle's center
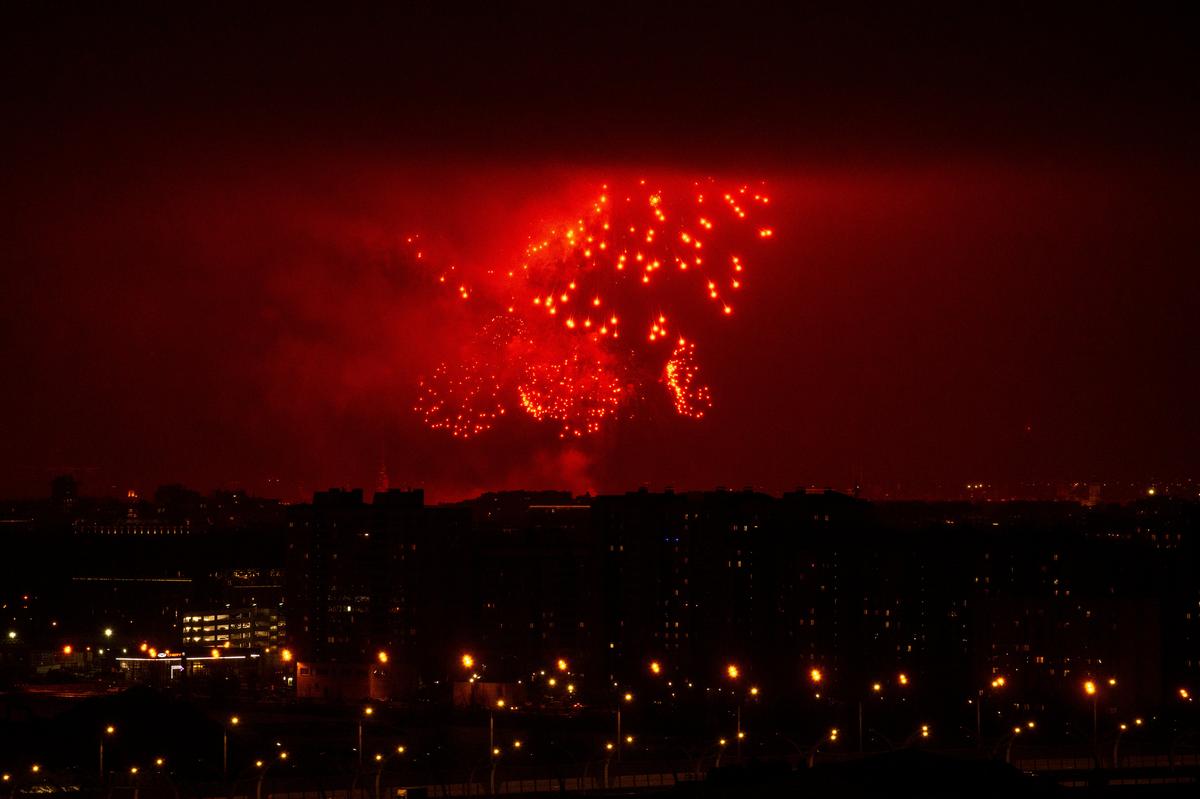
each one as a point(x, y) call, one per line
point(562, 665)
point(382, 656)
point(1184, 695)
point(468, 661)
point(815, 675)
point(215, 653)
point(66, 650)
point(1089, 688)
point(877, 687)
point(655, 667)
point(285, 655)
point(368, 711)
point(732, 671)
point(754, 690)
point(233, 722)
point(108, 730)
point(902, 678)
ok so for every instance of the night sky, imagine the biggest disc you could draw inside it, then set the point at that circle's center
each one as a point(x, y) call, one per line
point(984, 266)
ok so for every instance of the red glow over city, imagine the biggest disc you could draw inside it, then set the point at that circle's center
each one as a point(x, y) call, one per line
point(514, 272)
point(645, 256)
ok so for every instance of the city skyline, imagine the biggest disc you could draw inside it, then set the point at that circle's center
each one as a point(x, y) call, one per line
point(642, 399)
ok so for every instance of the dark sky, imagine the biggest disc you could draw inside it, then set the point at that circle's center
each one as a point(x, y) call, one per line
point(985, 266)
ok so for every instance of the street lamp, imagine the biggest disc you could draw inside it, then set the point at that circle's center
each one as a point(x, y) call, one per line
point(1089, 688)
point(368, 711)
point(233, 722)
point(109, 730)
point(997, 683)
point(382, 761)
point(497, 753)
point(812, 752)
point(627, 698)
point(733, 672)
point(263, 767)
point(500, 704)
point(1121, 730)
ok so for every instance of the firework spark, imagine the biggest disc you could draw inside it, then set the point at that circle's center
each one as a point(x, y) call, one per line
point(590, 319)
point(463, 401)
point(578, 392)
point(691, 397)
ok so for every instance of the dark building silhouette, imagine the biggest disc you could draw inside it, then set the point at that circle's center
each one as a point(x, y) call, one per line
point(950, 594)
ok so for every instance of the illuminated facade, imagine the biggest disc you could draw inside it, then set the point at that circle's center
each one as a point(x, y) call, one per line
point(242, 628)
